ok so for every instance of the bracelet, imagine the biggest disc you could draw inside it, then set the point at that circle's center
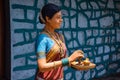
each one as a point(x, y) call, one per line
point(65, 61)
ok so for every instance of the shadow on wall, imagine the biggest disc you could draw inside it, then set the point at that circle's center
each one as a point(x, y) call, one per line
point(109, 77)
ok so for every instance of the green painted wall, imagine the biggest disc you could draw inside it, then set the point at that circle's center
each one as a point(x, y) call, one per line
point(90, 25)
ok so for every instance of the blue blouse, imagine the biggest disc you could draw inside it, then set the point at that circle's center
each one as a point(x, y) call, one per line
point(43, 45)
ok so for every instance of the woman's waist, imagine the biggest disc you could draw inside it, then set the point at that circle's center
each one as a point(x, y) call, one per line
point(55, 74)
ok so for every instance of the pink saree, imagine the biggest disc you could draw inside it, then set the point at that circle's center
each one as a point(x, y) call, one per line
point(53, 55)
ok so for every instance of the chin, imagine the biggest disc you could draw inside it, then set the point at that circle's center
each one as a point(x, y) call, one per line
point(58, 27)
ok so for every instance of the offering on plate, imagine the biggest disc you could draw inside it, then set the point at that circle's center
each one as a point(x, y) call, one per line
point(86, 62)
point(83, 64)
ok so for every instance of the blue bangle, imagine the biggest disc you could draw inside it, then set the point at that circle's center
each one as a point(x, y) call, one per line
point(65, 61)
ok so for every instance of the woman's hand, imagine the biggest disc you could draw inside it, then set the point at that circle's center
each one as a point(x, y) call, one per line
point(75, 55)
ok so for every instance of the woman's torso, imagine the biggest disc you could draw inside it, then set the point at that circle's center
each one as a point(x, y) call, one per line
point(52, 53)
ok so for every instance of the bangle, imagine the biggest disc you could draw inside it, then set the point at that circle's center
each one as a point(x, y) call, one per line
point(65, 61)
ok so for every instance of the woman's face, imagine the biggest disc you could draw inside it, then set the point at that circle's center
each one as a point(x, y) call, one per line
point(56, 20)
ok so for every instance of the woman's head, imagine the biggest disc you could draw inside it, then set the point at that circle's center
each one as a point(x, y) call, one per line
point(48, 10)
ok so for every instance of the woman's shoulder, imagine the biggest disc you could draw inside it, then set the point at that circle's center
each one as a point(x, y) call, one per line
point(42, 36)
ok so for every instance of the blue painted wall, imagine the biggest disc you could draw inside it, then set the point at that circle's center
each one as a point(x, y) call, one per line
point(90, 25)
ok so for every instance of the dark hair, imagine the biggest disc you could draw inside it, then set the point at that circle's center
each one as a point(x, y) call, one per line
point(48, 10)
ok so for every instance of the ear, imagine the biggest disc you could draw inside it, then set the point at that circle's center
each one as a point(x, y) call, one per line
point(47, 19)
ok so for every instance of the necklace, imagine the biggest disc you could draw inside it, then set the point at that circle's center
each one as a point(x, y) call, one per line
point(56, 38)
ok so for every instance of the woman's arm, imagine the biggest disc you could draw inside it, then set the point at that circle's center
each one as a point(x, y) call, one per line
point(44, 66)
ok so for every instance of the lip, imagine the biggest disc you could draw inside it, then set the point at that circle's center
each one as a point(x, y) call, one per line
point(59, 24)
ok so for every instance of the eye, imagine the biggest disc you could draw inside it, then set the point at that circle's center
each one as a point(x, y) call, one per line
point(59, 17)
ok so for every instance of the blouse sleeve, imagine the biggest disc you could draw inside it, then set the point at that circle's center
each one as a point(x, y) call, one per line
point(41, 46)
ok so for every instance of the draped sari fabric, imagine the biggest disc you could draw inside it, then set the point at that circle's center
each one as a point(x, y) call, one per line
point(49, 49)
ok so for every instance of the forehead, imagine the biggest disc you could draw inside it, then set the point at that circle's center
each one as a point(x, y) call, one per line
point(58, 13)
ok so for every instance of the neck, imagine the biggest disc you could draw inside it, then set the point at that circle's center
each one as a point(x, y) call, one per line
point(50, 29)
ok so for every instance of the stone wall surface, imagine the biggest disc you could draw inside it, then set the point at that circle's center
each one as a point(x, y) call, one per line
point(90, 25)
